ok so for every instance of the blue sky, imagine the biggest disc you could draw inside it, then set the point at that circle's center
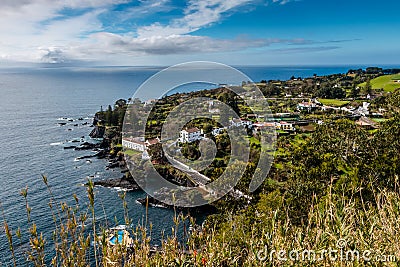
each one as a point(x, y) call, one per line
point(164, 32)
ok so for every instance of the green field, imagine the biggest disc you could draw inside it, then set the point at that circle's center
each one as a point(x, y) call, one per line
point(130, 152)
point(379, 119)
point(385, 82)
point(333, 102)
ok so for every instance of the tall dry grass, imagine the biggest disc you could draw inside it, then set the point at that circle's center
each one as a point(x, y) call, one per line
point(249, 238)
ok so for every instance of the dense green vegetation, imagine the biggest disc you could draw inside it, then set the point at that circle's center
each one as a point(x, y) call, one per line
point(113, 116)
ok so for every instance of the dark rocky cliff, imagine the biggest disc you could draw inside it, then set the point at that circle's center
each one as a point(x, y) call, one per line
point(97, 132)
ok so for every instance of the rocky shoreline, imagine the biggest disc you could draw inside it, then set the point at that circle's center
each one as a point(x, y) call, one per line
point(121, 183)
point(152, 202)
point(116, 160)
point(100, 146)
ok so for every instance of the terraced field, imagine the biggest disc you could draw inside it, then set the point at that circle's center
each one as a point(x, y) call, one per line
point(387, 82)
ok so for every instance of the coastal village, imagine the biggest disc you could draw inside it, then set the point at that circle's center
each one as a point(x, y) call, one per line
point(296, 108)
point(303, 103)
point(284, 123)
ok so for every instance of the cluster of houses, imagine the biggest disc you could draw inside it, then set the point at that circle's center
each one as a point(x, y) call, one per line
point(194, 134)
point(281, 125)
point(309, 106)
point(362, 110)
point(314, 104)
point(190, 135)
point(255, 123)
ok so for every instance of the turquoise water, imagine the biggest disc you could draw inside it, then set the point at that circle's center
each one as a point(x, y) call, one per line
point(31, 101)
point(119, 237)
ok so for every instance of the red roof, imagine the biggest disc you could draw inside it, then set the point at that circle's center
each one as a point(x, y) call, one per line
point(192, 130)
point(153, 141)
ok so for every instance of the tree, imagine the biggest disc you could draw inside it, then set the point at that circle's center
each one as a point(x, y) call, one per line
point(328, 92)
point(368, 87)
point(354, 91)
point(231, 99)
point(373, 70)
point(109, 114)
point(120, 103)
point(335, 156)
point(207, 127)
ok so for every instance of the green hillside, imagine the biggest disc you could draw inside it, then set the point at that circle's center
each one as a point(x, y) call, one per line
point(387, 82)
point(333, 102)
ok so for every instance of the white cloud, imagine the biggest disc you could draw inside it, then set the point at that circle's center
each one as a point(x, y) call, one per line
point(24, 38)
point(101, 46)
point(29, 28)
point(172, 44)
point(34, 30)
point(284, 2)
point(198, 14)
point(55, 4)
point(303, 50)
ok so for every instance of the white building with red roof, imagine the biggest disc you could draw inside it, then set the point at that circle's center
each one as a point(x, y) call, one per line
point(134, 143)
point(139, 143)
point(190, 135)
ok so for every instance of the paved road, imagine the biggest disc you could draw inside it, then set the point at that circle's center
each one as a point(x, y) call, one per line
point(196, 177)
point(201, 180)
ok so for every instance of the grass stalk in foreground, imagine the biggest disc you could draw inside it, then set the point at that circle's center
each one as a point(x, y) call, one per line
point(237, 240)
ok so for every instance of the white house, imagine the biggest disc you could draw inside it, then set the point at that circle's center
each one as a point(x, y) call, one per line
point(145, 155)
point(306, 106)
point(190, 135)
point(134, 143)
point(285, 126)
point(247, 123)
point(264, 125)
point(212, 107)
point(240, 122)
point(150, 102)
point(217, 131)
point(139, 143)
point(364, 110)
point(214, 110)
